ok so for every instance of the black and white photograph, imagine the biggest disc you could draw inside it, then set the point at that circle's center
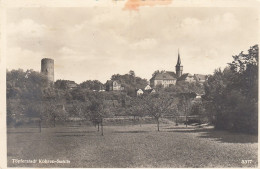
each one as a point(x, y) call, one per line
point(131, 84)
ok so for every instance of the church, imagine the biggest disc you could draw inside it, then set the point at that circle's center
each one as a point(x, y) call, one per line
point(168, 78)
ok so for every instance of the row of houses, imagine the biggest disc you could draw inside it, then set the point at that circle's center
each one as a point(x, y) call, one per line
point(146, 90)
point(114, 85)
point(163, 78)
point(167, 79)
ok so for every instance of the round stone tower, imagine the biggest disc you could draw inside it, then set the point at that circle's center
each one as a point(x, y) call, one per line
point(47, 68)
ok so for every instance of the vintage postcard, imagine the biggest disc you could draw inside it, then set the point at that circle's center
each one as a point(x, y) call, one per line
point(129, 84)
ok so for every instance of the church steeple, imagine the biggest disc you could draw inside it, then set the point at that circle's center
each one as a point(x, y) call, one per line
point(179, 59)
point(178, 66)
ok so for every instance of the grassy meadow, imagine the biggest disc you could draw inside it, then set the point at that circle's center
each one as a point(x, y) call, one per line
point(132, 146)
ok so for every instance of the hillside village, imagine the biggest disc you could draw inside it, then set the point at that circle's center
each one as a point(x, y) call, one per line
point(118, 92)
point(160, 79)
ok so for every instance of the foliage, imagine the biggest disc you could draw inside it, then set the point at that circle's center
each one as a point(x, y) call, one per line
point(25, 85)
point(185, 87)
point(156, 105)
point(136, 107)
point(92, 85)
point(131, 82)
point(232, 94)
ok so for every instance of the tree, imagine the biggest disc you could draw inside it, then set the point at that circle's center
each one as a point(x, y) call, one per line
point(198, 110)
point(96, 111)
point(132, 73)
point(61, 84)
point(136, 107)
point(26, 90)
point(92, 85)
point(232, 94)
point(36, 110)
point(185, 104)
point(185, 87)
point(25, 85)
point(157, 105)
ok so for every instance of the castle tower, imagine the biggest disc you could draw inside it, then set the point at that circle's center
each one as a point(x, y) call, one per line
point(47, 68)
point(178, 66)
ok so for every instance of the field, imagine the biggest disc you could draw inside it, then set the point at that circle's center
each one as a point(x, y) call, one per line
point(132, 146)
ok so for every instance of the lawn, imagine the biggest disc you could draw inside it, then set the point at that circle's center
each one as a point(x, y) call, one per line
point(132, 146)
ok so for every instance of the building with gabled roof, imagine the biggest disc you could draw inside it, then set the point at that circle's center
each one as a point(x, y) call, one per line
point(139, 92)
point(187, 77)
point(113, 85)
point(168, 78)
point(147, 87)
point(163, 78)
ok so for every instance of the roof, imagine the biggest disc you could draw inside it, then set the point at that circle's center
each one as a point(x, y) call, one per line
point(110, 82)
point(147, 86)
point(184, 76)
point(163, 76)
point(148, 91)
point(200, 77)
point(71, 82)
point(173, 74)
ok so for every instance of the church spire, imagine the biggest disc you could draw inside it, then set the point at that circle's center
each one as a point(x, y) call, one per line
point(179, 59)
point(178, 66)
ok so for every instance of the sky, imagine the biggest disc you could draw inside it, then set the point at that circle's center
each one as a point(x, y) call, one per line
point(95, 43)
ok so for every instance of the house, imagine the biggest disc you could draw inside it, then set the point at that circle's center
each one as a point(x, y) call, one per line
point(113, 85)
point(163, 78)
point(200, 78)
point(148, 87)
point(71, 84)
point(187, 77)
point(139, 92)
point(143, 91)
point(150, 91)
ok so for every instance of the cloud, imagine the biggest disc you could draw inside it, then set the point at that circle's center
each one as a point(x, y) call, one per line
point(26, 28)
point(67, 52)
point(147, 43)
point(24, 59)
point(97, 42)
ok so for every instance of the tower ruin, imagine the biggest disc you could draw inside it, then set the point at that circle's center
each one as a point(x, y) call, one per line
point(47, 68)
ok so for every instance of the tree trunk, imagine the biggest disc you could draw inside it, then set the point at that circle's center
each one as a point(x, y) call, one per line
point(40, 126)
point(186, 120)
point(54, 122)
point(158, 125)
point(98, 127)
point(133, 121)
point(102, 134)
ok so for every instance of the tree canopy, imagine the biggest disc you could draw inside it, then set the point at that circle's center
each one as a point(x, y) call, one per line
point(232, 94)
